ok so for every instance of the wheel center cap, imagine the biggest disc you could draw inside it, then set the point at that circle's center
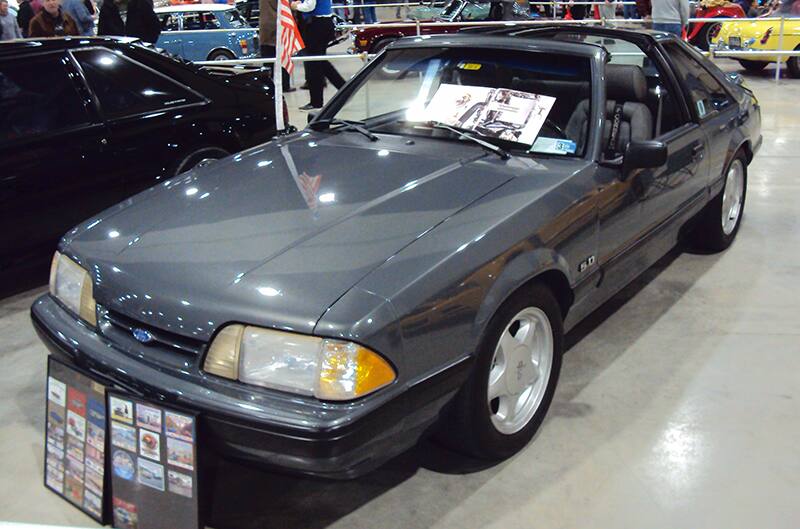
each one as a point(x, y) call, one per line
point(521, 373)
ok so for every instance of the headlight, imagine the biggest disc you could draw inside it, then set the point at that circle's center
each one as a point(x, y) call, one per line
point(71, 285)
point(307, 365)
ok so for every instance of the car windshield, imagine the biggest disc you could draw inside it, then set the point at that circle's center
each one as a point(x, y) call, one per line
point(525, 102)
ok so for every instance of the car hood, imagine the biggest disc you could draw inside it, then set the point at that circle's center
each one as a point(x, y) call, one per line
point(274, 235)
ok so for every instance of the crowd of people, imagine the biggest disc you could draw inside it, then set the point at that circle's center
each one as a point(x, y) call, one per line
point(58, 18)
point(51, 18)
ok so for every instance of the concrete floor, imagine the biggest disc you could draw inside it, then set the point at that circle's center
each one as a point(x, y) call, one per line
point(678, 406)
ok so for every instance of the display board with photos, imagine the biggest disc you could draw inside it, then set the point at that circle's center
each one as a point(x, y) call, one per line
point(75, 442)
point(153, 457)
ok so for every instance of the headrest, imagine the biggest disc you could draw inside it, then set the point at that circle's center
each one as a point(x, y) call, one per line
point(625, 82)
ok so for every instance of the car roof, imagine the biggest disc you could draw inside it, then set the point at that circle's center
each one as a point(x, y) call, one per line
point(529, 31)
point(500, 41)
point(193, 7)
point(16, 47)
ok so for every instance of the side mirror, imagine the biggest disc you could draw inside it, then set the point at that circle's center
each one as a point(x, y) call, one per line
point(736, 78)
point(312, 115)
point(644, 155)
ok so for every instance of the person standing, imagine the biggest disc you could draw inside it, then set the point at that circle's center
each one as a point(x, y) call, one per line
point(9, 30)
point(644, 8)
point(577, 11)
point(629, 11)
point(24, 16)
point(110, 21)
point(608, 10)
point(319, 33)
point(670, 16)
point(81, 15)
point(142, 21)
point(52, 22)
point(267, 32)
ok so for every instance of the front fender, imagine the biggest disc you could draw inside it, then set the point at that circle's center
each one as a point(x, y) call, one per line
point(517, 272)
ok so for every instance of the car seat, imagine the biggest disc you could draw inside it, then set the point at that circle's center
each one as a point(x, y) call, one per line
point(626, 93)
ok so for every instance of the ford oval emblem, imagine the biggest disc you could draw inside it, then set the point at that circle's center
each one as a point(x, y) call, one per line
point(142, 335)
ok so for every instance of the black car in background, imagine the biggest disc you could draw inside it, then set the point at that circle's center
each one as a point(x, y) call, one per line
point(85, 123)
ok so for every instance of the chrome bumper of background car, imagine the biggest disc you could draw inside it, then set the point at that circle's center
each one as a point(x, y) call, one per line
point(361, 436)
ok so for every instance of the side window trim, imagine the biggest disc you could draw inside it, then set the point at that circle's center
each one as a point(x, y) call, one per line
point(86, 86)
point(91, 119)
point(693, 110)
point(202, 100)
point(658, 53)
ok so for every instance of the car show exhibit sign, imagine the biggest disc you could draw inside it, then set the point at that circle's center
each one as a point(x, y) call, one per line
point(75, 438)
point(153, 457)
point(502, 113)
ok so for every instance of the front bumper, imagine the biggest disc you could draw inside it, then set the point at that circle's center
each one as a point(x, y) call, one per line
point(721, 46)
point(295, 434)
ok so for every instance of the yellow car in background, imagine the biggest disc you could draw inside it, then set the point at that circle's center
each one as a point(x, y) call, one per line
point(761, 35)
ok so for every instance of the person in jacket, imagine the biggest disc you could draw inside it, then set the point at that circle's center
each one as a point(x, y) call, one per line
point(82, 17)
point(670, 15)
point(110, 22)
point(24, 16)
point(9, 30)
point(142, 21)
point(644, 8)
point(319, 33)
point(52, 22)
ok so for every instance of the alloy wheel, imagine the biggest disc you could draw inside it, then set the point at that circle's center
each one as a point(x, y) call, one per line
point(520, 370)
point(732, 197)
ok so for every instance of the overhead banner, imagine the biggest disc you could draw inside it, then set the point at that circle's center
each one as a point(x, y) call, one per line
point(75, 439)
point(153, 465)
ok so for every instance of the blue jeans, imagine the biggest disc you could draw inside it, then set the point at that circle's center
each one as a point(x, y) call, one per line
point(369, 13)
point(629, 11)
point(675, 29)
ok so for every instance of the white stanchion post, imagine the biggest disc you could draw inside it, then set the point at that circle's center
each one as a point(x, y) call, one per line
point(780, 48)
point(277, 78)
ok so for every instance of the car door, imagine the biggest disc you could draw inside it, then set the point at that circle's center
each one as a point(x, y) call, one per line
point(170, 38)
point(712, 105)
point(55, 169)
point(198, 40)
point(677, 189)
point(142, 109)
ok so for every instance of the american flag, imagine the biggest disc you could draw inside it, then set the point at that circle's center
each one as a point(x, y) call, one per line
point(291, 41)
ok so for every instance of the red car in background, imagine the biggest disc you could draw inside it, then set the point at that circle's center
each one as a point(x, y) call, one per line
point(374, 39)
point(702, 33)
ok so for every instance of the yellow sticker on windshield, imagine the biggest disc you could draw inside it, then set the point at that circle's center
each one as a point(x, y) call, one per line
point(469, 66)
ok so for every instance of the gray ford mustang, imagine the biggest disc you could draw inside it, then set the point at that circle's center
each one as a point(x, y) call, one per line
point(409, 263)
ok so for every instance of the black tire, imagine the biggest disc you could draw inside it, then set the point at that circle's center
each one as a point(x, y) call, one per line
point(753, 66)
point(706, 33)
point(467, 425)
point(196, 158)
point(793, 65)
point(382, 43)
point(221, 55)
point(709, 234)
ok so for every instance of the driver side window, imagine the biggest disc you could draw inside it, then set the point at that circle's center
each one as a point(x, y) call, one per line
point(660, 98)
point(706, 93)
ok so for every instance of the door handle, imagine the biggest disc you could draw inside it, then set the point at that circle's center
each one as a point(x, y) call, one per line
point(698, 150)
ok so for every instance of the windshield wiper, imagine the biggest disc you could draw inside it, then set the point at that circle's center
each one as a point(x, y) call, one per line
point(502, 153)
point(345, 125)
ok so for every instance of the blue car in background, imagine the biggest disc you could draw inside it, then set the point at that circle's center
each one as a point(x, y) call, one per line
point(201, 32)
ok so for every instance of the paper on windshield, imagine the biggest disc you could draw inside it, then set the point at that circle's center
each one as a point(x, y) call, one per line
point(501, 113)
